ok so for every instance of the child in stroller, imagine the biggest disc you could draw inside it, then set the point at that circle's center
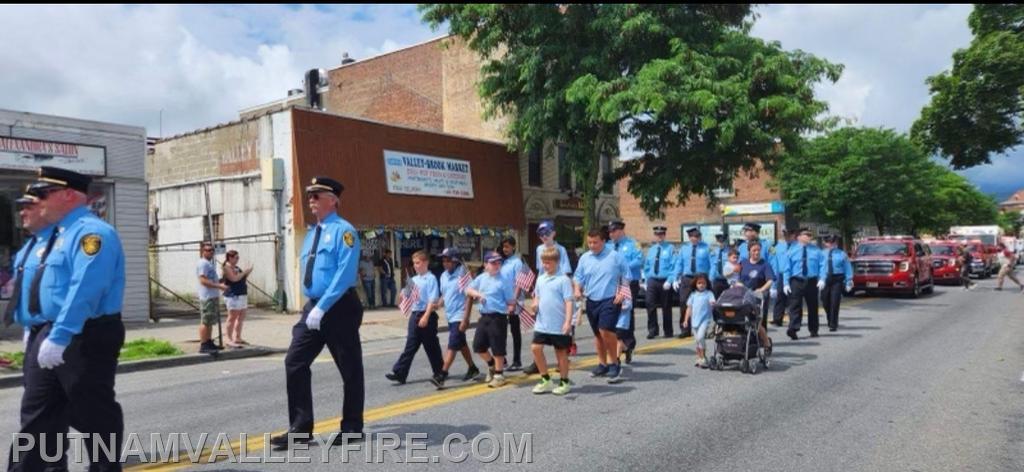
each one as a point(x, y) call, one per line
point(737, 315)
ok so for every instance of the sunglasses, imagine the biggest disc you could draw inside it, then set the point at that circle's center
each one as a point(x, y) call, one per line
point(45, 193)
point(314, 195)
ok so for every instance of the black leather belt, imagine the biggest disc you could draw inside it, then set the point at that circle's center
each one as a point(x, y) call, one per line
point(103, 320)
point(798, 278)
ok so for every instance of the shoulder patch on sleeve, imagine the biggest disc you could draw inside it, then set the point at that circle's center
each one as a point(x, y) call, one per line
point(91, 244)
point(350, 240)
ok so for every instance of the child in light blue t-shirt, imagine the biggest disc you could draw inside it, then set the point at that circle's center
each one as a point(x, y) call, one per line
point(698, 315)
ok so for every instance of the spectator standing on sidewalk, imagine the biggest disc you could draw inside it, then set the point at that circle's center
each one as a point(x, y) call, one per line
point(209, 298)
point(368, 275)
point(387, 280)
point(236, 297)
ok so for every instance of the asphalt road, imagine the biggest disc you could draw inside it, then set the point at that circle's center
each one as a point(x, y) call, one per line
point(933, 384)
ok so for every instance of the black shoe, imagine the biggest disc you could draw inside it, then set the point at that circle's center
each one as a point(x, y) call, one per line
point(777, 323)
point(348, 436)
point(814, 334)
point(791, 334)
point(531, 369)
point(652, 336)
point(394, 378)
point(471, 373)
point(669, 335)
point(832, 329)
point(281, 441)
point(514, 367)
point(629, 356)
point(438, 381)
point(208, 348)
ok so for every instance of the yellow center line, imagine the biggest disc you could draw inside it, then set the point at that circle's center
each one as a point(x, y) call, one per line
point(444, 397)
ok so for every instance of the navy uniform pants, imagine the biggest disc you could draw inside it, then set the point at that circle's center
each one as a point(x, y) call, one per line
point(630, 339)
point(416, 336)
point(781, 301)
point(657, 296)
point(339, 331)
point(78, 394)
point(831, 297)
point(804, 291)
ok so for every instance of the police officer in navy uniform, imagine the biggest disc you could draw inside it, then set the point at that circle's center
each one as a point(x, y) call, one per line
point(630, 250)
point(719, 256)
point(837, 272)
point(658, 272)
point(72, 312)
point(693, 258)
point(331, 316)
point(801, 283)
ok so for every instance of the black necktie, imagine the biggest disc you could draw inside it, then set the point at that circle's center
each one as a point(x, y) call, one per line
point(308, 280)
point(616, 245)
point(693, 259)
point(805, 261)
point(12, 304)
point(657, 261)
point(830, 271)
point(34, 306)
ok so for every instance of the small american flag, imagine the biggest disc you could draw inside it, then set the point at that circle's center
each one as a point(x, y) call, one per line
point(525, 278)
point(526, 318)
point(410, 295)
point(624, 291)
point(465, 280)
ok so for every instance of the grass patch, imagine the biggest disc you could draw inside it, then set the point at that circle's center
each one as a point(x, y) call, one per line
point(138, 349)
point(148, 348)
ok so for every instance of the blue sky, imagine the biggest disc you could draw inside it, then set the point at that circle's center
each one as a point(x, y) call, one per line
point(200, 64)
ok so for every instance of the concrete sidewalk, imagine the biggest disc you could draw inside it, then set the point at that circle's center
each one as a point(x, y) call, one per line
point(262, 328)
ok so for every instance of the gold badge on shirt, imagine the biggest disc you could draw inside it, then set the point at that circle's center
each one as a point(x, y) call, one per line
point(91, 244)
point(350, 240)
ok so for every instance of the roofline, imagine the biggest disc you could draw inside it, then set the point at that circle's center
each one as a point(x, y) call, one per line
point(41, 119)
point(396, 51)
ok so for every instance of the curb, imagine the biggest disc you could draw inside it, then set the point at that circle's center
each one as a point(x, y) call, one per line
point(15, 380)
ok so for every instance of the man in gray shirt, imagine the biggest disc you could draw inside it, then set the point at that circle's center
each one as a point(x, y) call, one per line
point(210, 289)
point(368, 275)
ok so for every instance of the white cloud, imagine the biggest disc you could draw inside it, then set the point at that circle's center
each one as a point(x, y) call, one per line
point(200, 64)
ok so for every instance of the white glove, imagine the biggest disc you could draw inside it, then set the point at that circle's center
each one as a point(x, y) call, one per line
point(313, 318)
point(51, 354)
point(667, 285)
point(821, 285)
point(788, 291)
point(774, 292)
point(24, 341)
point(675, 285)
point(849, 286)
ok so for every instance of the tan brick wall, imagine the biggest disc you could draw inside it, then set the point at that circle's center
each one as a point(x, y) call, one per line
point(229, 150)
point(402, 88)
point(463, 108)
point(748, 190)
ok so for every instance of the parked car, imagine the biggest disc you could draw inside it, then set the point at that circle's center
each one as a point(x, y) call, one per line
point(893, 264)
point(946, 263)
point(984, 261)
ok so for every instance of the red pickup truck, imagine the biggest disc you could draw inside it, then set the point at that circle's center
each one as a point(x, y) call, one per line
point(946, 263)
point(894, 264)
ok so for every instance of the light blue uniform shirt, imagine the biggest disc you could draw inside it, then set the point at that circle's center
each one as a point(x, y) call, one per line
point(701, 304)
point(427, 285)
point(840, 264)
point(719, 257)
point(794, 262)
point(665, 265)
point(497, 294)
point(778, 258)
point(553, 291)
point(630, 251)
point(454, 298)
point(599, 274)
point(563, 260)
point(510, 269)
point(84, 275)
point(683, 257)
point(33, 252)
point(337, 261)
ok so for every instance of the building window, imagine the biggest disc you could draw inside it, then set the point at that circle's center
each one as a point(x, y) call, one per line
point(218, 228)
point(535, 176)
point(564, 174)
point(724, 192)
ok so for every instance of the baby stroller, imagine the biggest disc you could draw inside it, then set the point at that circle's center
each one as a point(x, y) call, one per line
point(737, 315)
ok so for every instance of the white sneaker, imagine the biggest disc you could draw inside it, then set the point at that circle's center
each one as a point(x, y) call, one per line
point(497, 381)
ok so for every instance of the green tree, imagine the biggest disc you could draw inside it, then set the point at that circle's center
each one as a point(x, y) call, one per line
point(1010, 221)
point(856, 175)
point(977, 110)
point(701, 99)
